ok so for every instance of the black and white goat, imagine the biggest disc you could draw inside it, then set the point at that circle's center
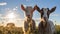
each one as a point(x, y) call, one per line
point(46, 26)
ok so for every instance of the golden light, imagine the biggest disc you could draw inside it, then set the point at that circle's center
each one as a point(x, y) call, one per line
point(11, 15)
point(14, 18)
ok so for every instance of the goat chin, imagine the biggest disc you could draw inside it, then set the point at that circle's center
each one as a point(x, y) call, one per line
point(42, 20)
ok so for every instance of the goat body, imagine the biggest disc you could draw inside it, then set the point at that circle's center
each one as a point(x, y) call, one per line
point(29, 26)
point(48, 29)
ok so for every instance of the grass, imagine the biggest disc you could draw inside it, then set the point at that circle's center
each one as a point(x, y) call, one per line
point(19, 30)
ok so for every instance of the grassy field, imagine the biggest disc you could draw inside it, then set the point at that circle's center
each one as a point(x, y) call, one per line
point(57, 29)
point(12, 29)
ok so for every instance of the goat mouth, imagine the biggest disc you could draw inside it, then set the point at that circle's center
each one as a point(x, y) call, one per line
point(43, 24)
point(45, 19)
point(28, 17)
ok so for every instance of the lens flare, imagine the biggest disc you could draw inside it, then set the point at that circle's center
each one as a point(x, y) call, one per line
point(11, 15)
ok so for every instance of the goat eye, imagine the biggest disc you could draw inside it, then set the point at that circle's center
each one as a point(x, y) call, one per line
point(42, 13)
point(48, 12)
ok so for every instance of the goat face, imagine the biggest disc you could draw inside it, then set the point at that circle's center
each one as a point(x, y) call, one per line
point(45, 12)
point(28, 11)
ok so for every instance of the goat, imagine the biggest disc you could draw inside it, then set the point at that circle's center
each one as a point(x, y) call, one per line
point(46, 26)
point(29, 23)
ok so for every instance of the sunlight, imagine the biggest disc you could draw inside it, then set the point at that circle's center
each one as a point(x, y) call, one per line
point(14, 18)
point(11, 15)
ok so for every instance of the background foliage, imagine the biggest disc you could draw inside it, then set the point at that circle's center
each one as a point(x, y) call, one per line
point(12, 29)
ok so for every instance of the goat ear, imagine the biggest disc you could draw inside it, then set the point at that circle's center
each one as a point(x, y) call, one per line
point(41, 10)
point(38, 9)
point(53, 9)
point(34, 8)
point(22, 7)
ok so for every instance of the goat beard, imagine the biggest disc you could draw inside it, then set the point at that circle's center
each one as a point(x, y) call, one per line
point(43, 24)
point(29, 19)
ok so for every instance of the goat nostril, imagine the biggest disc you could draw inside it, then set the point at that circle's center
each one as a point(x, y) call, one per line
point(44, 18)
point(28, 15)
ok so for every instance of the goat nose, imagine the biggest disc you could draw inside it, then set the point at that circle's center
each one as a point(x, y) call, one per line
point(28, 15)
point(44, 18)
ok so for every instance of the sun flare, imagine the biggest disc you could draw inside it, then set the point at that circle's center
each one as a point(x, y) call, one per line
point(11, 15)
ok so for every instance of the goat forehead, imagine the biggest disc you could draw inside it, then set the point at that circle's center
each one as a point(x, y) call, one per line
point(29, 8)
point(28, 12)
point(45, 10)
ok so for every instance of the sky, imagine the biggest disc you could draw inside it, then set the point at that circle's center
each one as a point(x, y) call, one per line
point(13, 7)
